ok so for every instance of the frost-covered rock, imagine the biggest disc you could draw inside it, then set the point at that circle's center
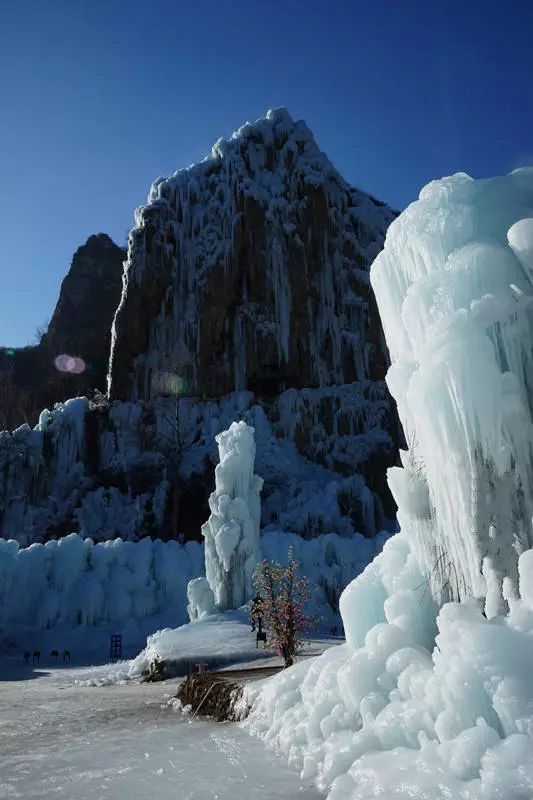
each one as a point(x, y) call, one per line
point(249, 270)
point(246, 296)
point(232, 549)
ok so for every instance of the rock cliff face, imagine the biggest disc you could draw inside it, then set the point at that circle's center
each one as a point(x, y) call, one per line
point(80, 326)
point(246, 295)
point(250, 270)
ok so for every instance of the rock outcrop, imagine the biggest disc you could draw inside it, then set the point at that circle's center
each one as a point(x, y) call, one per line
point(80, 327)
point(250, 270)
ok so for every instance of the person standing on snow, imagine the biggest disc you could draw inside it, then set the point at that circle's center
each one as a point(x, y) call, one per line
point(256, 612)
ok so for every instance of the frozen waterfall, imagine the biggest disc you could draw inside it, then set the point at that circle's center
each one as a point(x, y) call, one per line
point(454, 289)
point(231, 533)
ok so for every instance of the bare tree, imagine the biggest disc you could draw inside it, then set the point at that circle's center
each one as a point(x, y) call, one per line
point(174, 444)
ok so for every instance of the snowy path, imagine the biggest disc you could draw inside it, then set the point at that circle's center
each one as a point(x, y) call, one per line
point(58, 740)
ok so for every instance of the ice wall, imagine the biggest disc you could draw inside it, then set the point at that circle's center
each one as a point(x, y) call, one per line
point(454, 289)
point(231, 533)
point(76, 582)
point(73, 581)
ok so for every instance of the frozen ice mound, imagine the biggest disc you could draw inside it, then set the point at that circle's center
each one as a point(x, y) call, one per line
point(419, 702)
point(215, 640)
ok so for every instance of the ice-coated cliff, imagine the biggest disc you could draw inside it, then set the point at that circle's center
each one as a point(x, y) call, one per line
point(454, 288)
point(137, 469)
point(249, 270)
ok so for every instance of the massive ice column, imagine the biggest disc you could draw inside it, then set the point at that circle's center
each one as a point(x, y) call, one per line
point(454, 289)
point(231, 533)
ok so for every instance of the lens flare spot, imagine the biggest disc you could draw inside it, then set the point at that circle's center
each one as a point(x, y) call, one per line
point(169, 384)
point(74, 365)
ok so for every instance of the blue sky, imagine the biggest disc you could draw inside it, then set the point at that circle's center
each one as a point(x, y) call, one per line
point(99, 97)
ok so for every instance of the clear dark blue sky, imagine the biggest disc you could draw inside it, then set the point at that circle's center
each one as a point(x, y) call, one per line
point(99, 97)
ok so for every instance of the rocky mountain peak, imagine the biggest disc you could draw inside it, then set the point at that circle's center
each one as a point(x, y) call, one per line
point(249, 270)
point(80, 327)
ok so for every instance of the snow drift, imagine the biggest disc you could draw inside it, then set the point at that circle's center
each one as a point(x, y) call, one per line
point(428, 698)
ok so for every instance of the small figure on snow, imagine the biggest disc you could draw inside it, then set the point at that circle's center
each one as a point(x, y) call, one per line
point(256, 612)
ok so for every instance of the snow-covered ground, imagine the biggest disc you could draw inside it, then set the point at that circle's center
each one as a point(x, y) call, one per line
point(60, 739)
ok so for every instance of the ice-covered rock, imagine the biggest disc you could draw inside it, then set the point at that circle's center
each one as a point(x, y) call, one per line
point(132, 473)
point(246, 292)
point(249, 270)
point(232, 548)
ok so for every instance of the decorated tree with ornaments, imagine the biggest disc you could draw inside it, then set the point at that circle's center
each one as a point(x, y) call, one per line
point(283, 593)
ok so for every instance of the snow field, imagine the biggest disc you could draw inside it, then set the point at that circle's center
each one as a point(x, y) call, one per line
point(99, 743)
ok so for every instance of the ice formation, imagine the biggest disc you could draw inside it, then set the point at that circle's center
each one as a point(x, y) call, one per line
point(200, 599)
point(231, 533)
point(104, 471)
point(454, 288)
point(72, 580)
point(432, 694)
point(398, 713)
point(74, 583)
